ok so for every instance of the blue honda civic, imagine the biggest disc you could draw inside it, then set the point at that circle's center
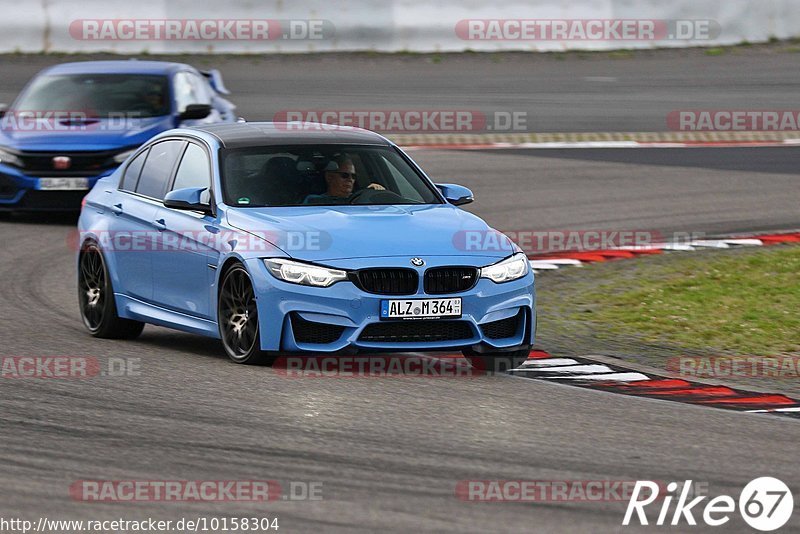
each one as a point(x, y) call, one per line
point(299, 238)
point(77, 122)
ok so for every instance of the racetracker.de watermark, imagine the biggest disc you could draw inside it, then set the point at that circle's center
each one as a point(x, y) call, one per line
point(734, 120)
point(778, 367)
point(375, 366)
point(201, 29)
point(67, 367)
point(587, 29)
point(142, 524)
point(131, 491)
point(549, 241)
point(545, 491)
point(176, 239)
point(64, 120)
point(403, 120)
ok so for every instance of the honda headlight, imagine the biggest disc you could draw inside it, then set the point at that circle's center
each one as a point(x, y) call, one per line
point(303, 273)
point(9, 158)
point(511, 268)
point(122, 156)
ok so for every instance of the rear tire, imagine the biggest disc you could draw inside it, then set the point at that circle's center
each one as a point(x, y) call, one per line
point(237, 317)
point(496, 362)
point(96, 298)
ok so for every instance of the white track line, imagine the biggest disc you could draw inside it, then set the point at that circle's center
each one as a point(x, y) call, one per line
point(562, 261)
point(477, 145)
point(745, 242)
point(710, 243)
point(678, 247)
point(573, 144)
point(790, 409)
point(543, 265)
point(613, 377)
point(575, 369)
point(545, 362)
point(659, 246)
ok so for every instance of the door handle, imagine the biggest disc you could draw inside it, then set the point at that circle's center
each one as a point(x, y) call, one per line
point(160, 225)
point(212, 229)
point(117, 209)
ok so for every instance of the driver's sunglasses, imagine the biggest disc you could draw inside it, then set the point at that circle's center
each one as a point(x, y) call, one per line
point(344, 175)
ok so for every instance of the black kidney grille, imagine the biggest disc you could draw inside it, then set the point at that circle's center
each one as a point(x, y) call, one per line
point(388, 281)
point(416, 331)
point(441, 280)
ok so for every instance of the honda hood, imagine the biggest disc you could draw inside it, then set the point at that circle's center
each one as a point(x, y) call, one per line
point(52, 134)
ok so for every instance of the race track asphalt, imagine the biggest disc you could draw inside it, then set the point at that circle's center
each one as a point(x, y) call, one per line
point(579, 92)
point(388, 451)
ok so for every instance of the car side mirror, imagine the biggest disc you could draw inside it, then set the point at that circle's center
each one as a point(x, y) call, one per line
point(3, 109)
point(195, 112)
point(190, 198)
point(457, 195)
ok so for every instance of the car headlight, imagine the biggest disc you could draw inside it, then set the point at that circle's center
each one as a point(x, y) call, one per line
point(9, 158)
point(511, 268)
point(304, 273)
point(122, 156)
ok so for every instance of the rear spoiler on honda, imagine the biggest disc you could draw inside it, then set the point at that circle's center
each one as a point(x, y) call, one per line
point(215, 80)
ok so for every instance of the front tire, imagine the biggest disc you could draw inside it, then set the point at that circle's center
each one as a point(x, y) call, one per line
point(96, 298)
point(496, 362)
point(237, 316)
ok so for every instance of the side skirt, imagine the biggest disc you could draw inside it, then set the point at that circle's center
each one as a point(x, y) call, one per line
point(130, 308)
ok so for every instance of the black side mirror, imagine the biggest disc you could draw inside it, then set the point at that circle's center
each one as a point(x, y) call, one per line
point(190, 198)
point(195, 112)
point(3, 109)
point(457, 195)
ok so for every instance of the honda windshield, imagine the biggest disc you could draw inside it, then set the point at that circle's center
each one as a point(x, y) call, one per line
point(97, 95)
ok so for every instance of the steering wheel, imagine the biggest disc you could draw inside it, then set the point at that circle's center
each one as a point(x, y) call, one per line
point(374, 196)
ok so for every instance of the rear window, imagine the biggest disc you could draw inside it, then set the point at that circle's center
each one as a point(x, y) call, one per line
point(132, 172)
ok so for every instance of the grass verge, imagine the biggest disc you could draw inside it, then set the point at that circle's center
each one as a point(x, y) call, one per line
point(747, 304)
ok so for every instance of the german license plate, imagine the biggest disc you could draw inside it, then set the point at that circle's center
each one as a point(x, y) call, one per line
point(421, 308)
point(63, 184)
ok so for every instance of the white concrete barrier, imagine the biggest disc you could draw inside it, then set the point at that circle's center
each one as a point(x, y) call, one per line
point(362, 25)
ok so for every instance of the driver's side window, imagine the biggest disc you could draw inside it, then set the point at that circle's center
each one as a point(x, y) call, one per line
point(194, 170)
point(404, 188)
point(186, 92)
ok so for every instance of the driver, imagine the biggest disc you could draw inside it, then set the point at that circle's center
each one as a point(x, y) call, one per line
point(340, 183)
point(152, 99)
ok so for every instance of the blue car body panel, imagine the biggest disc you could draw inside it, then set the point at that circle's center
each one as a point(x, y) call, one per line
point(102, 136)
point(179, 289)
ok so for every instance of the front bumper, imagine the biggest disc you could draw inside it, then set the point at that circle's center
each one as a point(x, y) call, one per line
point(343, 317)
point(20, 192)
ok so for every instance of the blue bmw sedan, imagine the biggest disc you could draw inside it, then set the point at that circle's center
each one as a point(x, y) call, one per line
point(77, 122)
point(299, 238)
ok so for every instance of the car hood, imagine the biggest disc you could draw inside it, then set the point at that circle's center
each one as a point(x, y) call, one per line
point(325, 233)
point(91, 134)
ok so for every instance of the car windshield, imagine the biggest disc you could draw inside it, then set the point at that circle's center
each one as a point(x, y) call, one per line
point(321, 175)
point(98, 95)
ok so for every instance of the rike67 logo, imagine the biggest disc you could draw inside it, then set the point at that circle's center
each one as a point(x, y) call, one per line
point(765, 504)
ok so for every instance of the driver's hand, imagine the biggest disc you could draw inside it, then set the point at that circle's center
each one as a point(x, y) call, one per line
point(376, 187)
